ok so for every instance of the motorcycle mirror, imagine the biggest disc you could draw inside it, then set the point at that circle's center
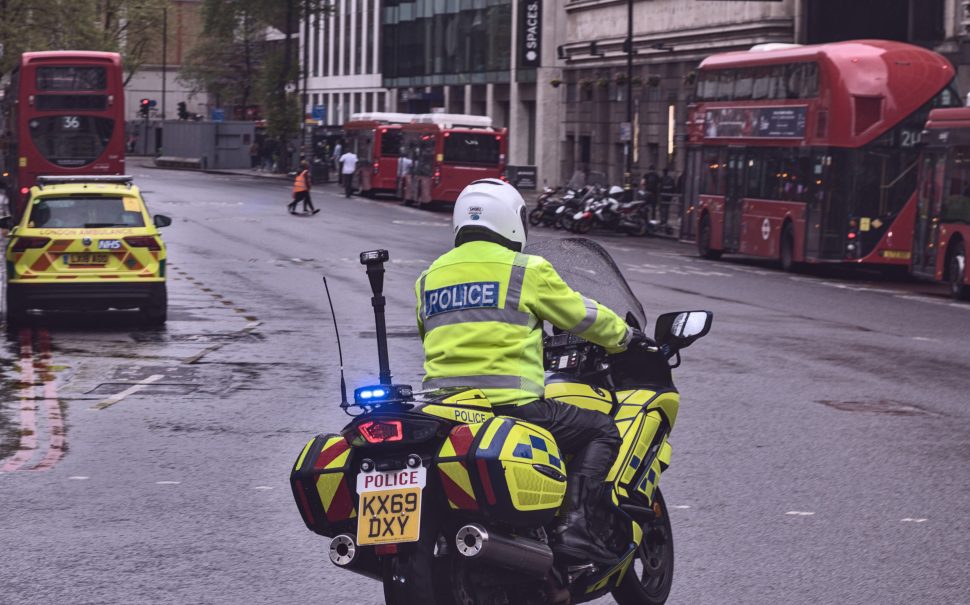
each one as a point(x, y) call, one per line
point(680, 329)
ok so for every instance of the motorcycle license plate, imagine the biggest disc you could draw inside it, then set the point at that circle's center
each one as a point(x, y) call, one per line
point(390, 506)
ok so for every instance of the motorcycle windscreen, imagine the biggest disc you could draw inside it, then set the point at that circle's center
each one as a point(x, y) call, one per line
point(588, 268)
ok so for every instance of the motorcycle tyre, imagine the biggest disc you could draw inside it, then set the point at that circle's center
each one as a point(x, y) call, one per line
point(631, 590)
point(704, 240)
point(535, 217)
point(582, 226)
point(638, 227)
point(428, 574)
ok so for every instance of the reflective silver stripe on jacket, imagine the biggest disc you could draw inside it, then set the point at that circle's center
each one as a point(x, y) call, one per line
point(587, 322)
point(486, 381)
point(509, 315)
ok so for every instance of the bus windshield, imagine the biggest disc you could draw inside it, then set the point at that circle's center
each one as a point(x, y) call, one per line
point(471, 148)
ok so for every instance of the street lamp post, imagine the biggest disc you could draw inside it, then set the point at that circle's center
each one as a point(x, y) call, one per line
point(628, 175)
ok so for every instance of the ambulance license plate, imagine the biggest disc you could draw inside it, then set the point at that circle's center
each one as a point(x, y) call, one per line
point(86, 258)
point(390, 506)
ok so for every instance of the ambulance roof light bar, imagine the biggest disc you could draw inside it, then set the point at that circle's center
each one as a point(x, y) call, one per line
point(120, 179)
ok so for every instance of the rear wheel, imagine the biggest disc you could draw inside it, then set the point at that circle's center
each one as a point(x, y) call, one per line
point(704, 240)
point(650, 576)
point(638, 226)
point(416, 574)
point(957, 270)
point(16, 311)
point(535, 217)
point(155, 311)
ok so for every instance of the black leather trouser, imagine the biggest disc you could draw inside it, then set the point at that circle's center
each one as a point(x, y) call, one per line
point(591, 437)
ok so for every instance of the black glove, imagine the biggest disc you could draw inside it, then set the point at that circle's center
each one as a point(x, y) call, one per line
point(636, 338)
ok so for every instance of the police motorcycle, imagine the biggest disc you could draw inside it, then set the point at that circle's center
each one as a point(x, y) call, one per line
point(446, 503)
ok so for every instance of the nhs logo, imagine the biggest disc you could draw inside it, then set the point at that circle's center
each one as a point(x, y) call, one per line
point(109, 244)
point(461, 296)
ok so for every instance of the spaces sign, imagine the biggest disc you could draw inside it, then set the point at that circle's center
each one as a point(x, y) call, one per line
point(530, 33)
point(755, 122)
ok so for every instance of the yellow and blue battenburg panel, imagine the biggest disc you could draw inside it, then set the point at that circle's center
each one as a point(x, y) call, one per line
point(503, 469)
point(320, 485)
point(580, 395)
point(644, 419)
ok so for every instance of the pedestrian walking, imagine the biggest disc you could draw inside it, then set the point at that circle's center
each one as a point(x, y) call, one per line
point(301, 191)
point(337, 152)
point(651, 185)
point(348, 166)
point(668, 187)
point(254, 155)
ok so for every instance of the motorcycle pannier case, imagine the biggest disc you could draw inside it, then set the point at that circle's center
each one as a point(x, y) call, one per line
point(321, 487)
point(505, 470)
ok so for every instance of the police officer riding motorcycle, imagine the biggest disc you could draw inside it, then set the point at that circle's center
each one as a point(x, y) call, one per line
point(480, 313)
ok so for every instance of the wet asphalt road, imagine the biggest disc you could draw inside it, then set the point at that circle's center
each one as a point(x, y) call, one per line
point(821, 453)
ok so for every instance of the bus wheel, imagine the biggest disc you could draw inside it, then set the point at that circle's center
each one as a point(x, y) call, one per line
point(704, 240)
point(957, 270)
point(787, 252)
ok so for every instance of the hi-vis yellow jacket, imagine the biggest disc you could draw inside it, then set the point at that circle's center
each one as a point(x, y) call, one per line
point(480, 313)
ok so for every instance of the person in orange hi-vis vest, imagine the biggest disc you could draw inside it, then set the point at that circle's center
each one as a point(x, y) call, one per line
point(301, 191)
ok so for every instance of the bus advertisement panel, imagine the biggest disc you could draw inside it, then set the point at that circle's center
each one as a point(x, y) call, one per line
point(65, 113)
point(798, 153)
point(942, 237)
point(443, 153)
point(376, 139)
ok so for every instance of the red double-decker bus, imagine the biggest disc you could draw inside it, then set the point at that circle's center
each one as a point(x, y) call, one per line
point(64, 112)
point(808, 153)
point(442, 153)
point(942, 237)
point(376, 139)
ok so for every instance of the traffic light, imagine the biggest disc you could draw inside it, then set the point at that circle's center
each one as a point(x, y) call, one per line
point(183, 112)
point(143, 106)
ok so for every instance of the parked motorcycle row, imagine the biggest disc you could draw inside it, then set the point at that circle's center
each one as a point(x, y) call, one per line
point(581, 210)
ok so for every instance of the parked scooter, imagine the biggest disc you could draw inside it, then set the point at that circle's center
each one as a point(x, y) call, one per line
point(610, 213)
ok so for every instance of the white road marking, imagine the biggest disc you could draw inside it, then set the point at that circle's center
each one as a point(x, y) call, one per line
point(263, 487)
point(911, 520)
point(680, 506)
point(924, 339)
point(79, 477)
point(167, 482)
point(140, 386)
point(799, 513)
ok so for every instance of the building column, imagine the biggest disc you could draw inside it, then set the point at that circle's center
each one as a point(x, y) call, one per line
point(468, 99)
point(490, 106)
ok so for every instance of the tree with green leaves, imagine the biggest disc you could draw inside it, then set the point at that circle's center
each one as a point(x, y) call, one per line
point(129, 27)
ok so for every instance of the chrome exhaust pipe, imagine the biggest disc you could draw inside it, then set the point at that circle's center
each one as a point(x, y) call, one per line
point(345, 553)
point(523, 555)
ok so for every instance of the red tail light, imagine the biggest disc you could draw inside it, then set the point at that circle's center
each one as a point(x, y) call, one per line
point(379, 431)
point(24, 243)
point(24, 190)
point(437, 175)
point(142, 241)
point(377, 167)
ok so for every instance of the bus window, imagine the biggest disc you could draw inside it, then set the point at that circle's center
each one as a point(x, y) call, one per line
point(71, 140)
point(801, 81)
point(471, 148)
point(390, 143)
point(725, 85)
point(756, 176)
point(743, 84)
point(63, 77)
point(707, 86)
point(425, 160)
point(956, 205)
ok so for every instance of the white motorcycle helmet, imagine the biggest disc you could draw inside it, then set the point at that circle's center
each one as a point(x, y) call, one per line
point(616, 191)
point(491, 210)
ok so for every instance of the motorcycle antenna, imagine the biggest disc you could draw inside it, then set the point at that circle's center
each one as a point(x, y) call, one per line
point(374, 261)
point(340, 354)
